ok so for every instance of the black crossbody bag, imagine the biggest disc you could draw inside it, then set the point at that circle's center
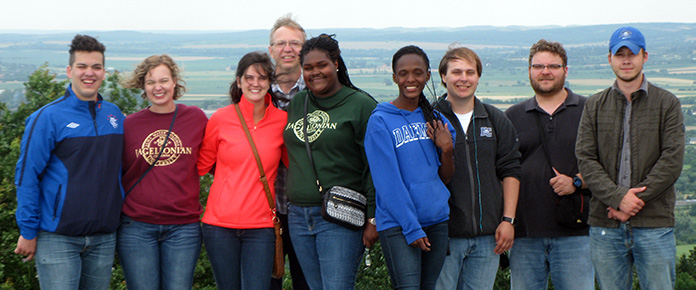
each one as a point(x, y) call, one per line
point(571, 210)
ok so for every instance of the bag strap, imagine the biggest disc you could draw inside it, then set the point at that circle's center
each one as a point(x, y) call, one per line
point(306, 142)
point(164, 144)
point(262, 177)
point(542, 136)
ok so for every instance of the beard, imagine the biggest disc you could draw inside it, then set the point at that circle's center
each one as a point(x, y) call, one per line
point(628, 78)
point(555, 88)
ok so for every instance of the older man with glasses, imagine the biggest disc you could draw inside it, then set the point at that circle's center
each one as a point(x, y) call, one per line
point(287, 37)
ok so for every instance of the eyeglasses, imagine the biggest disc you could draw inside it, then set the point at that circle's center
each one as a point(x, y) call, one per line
point(293, 44)
point(549, 66)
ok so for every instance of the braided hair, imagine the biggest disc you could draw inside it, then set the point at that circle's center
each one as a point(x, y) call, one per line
point(428, 111)
point(329, 44)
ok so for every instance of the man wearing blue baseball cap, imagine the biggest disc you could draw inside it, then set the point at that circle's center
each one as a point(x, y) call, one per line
point(630, 150)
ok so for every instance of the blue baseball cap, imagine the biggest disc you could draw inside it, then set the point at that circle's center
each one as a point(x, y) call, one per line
point(629, 37)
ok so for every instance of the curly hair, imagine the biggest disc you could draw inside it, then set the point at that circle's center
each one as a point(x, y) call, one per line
point(548, 46)
point(137, 80)
point(85, 43)
point(263, 64)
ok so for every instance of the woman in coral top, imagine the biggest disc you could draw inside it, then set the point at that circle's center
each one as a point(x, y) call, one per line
point(237, 224)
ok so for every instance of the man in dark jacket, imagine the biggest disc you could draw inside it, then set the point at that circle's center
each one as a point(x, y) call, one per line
point(630, 150)
point(485, 186)
point(543, 246)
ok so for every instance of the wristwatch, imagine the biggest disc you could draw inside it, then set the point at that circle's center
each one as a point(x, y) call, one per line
point(372, 221)
point(512, 221)
point(577, 181)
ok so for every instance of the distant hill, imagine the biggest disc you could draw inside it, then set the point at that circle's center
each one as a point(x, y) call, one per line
point(209, 57)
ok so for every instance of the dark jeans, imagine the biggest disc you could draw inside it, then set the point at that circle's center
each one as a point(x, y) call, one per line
point(158, 256)
point(240, 258)
point(410, 267)
point(298, 279)
point(328, 253)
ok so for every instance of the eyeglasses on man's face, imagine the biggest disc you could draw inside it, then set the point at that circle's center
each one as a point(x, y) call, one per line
point(282, 43)
point(549, 66)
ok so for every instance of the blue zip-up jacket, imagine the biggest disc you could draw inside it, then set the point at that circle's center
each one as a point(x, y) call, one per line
point(68, 172)
point(404, 163)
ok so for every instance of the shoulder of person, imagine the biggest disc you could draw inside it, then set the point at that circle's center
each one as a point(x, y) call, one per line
point(493, 110)
point(223, 112)
point(110, 106)
point(519, 107)
point(298, 98)
point(661, 92)
point(193, 110)
point(599, 95)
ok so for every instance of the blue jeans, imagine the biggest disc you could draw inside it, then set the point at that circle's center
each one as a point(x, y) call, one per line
point(240, 258)
point(158, 256)
point(471, 264)
point(616, 250)
point(566, 259)
point(328, 253)
point(83, 262)
point(410, 267)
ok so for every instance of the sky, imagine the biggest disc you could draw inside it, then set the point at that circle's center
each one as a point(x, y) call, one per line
point(149, 15)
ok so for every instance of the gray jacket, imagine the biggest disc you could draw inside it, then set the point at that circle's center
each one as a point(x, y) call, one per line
point(657, 153)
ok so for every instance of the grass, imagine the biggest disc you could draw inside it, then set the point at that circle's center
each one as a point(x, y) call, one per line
point(684, 250)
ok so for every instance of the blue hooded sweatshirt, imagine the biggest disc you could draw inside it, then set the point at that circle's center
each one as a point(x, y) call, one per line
point(404, 163)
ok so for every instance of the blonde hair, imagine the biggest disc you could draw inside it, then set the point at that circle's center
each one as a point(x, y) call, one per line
point(286, 20)
point(137, 80)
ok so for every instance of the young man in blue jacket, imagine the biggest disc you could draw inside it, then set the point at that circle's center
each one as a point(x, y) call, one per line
point(69, 193)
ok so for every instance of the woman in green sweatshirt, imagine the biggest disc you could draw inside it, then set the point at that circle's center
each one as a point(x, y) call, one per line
point(337, 114)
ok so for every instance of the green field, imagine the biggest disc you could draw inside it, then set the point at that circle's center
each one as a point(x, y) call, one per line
point(684, 250)
point(208, 61)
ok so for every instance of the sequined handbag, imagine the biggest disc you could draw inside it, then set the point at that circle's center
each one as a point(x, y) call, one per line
point(341, 205)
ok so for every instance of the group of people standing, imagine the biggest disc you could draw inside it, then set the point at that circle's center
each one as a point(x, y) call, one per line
point(449, 185)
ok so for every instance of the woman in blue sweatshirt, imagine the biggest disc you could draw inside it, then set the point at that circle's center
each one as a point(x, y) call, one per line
point(409, 149)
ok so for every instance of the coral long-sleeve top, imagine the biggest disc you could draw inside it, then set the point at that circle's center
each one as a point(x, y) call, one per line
point(237, 199)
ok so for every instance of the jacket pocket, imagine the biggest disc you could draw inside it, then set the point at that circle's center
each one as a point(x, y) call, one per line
point(57, 202)
point(430, 200)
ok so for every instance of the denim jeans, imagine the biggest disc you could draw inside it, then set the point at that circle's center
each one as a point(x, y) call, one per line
point(410, 267)
point(329, 254)
point(240, 258)
point(298, 279)
point(471, 264)
point(616, 250)
point(566, 259)
point(158, 256)
point(83, 262)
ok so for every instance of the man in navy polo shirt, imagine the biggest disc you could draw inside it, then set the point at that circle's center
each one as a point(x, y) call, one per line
point(543, 246)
